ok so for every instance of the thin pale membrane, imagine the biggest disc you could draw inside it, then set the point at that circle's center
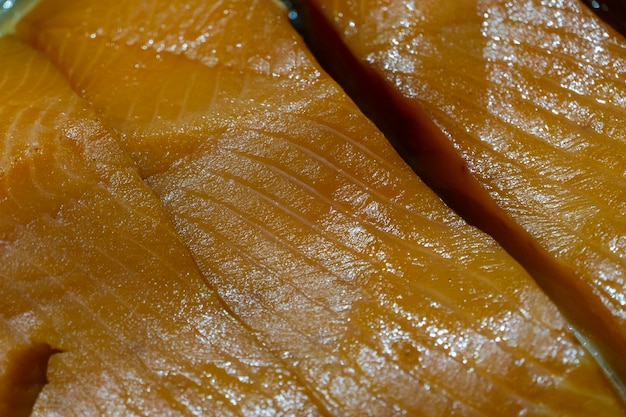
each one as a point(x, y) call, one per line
point(312, 229)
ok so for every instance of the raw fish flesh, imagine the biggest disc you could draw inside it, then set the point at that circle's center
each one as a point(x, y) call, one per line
point(315, 234)
point(94, 278)
point(531, 96)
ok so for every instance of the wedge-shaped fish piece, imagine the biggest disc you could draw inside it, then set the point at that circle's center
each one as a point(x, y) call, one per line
point(532, 96)
point(94, 277)
point(313, 230)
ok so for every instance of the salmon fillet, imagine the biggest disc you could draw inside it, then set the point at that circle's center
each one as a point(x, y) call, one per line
point(313, 231)
point(94, 277)
point(531, 97)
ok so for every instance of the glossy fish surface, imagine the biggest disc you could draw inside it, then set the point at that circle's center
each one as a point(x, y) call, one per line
point(315, 234)
point(94, 278)
point(531, 96)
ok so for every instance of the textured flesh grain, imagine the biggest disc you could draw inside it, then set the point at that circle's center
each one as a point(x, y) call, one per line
point(314, 232)
point(532, 96)
point(93, 273)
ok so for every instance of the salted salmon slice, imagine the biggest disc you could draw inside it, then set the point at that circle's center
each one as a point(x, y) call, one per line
point(95, 284)
point(312, 229)
point(531, 98)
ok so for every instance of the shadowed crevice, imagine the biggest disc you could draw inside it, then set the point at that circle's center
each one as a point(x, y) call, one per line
point(24, 378)
point(612, 12)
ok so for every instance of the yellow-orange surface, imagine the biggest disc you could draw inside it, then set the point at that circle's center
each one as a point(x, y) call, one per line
point(532, 96)
point(357, 290)
point(91, 266)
